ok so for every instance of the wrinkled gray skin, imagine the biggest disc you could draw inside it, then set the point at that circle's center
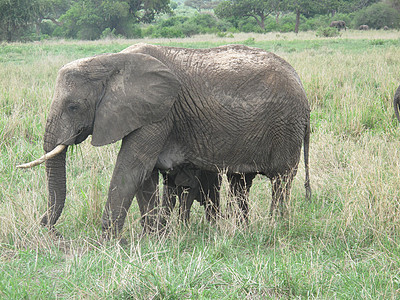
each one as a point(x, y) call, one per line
point(338, 24)
point(363, 27)
point(231, 108)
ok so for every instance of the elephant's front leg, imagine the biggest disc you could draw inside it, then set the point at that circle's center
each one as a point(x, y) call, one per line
point(124, 184)
point(135, 163)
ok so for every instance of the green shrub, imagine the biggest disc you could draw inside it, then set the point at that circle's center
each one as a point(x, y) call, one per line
point(314, 23)
point(225, 25)
point(377, 16)
point(169, 32)
point(173, 21)
point(271, 24)
point(249, 25)
point(47, 27)
point(204, 20)
point(108, 34)
point(287, 23)
point(327, 32)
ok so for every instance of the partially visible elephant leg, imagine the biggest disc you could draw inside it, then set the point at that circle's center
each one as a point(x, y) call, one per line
point(186, 199)
point(170, 191)
point(147, 197)
point(240, 185)
point(210, 184)
point(281, 186)
point(186, 196)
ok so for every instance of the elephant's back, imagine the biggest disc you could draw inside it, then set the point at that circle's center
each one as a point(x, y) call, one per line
point(240, 108)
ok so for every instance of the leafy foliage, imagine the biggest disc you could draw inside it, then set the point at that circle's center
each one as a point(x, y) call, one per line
point(327, 32)
point(179, 26)
point(15, 17)
point(94, 19)
point(378, 16)
point(200, 5)
point(256, 9)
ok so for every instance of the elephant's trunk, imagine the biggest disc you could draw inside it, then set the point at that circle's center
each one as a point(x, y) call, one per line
point(56, 179)
point(396, 103)
point(56, 183)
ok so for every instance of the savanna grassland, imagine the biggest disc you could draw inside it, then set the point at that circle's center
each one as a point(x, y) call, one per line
point(344, 243)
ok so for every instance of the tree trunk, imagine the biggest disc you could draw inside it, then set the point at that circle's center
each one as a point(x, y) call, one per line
point(296, 29)
point(260, 22)
point(37, 25)
point(9, 32)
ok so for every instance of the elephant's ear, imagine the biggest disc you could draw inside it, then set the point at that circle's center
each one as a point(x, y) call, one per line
point(141, 90)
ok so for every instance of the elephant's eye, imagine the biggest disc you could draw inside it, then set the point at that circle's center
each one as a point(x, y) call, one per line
point(73, 107)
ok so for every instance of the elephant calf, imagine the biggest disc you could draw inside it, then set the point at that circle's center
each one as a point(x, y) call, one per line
point(187, 184)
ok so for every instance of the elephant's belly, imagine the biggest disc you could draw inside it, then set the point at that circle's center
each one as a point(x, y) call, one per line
point(171, 156)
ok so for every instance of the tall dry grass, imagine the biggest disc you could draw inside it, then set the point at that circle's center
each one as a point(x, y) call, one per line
point(343, 241)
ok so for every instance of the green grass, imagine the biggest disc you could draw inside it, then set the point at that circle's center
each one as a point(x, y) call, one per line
point(343, 244)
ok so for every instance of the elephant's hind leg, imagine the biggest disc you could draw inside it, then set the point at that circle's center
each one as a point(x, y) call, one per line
point(281, 186)
point(240, 187)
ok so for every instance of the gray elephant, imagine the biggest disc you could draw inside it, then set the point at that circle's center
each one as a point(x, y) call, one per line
point(363, 27)
point(231, 108)
point(187, 183)
point(338, 24)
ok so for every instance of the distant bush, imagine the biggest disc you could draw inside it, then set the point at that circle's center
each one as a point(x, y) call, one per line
point(377, 16)
point(287, 23)
point(249, 25)
point(108, 34)
point(327, 32)
point(182, 26)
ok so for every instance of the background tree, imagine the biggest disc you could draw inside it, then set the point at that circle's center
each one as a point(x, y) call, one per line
point(305, 7)
point(199, 5)
point(377, 16)
point(257, 9)
point(15, 16)
point(348, 6)
point(146, 10)
point(88, 19)
point(49, 10)
point(394, 3)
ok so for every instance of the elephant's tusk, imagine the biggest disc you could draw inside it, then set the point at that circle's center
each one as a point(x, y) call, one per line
point(57, 150)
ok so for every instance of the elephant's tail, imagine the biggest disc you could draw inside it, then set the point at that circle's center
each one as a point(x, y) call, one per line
point(306, 163)
point(396, 103)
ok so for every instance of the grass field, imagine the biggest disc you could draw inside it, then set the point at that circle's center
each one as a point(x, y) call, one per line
point(344, 243)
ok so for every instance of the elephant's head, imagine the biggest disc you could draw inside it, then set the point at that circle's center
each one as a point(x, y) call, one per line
point(107, 96)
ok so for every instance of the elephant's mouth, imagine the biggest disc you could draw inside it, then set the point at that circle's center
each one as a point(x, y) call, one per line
point(82, 135)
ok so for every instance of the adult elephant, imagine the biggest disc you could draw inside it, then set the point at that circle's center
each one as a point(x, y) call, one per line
point(363, 27)
point(338, 24)
point(231, 108)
